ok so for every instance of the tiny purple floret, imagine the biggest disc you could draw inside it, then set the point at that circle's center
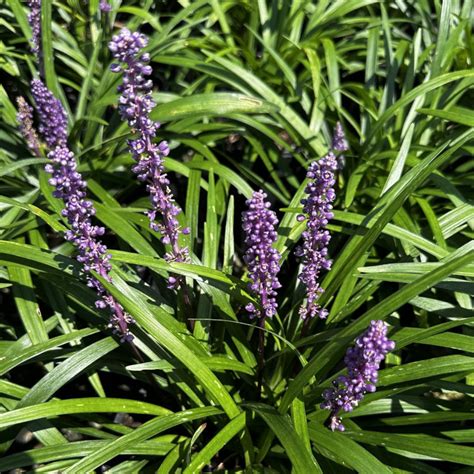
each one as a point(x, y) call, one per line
point(363, 363)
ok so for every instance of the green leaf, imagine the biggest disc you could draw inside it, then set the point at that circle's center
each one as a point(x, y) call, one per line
point(429, 368)
point(21, 17)
point(344, 451)
point(454, 114)
point(437, 449)
point(76, 450)
point(300, 422)
point(413, 268)
point(10, 167)
point(399, 163)
point(47, 52)
point(418, 92)
point(200, 273)
point(234, 427)
point(50, 220)
point(224, 172)
point(229, 247)
point(78, 405)
point(173, 344)
point(217, 103)
point(124, 229)
point(15, 359)
point(302, 460)
point(332, 70)
point(66, 371)
point(25, 300)
point(192, 205)
point(136, 437)
point(215, 363)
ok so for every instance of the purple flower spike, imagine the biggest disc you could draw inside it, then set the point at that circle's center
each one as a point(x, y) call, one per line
point(92, 253)
point(363, 363)
point(71, 188)
point(262, 259)
point(51, 114)
point(34, 19)
point(339, 142)
point(317, 206)
point(136, 103)
point(25, 120)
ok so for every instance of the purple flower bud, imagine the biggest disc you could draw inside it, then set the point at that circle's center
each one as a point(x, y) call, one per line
point(135, 106)
point(105, 6)
point(258, 223)
point(363, 363)
point(51, 114)
point(172, 281)
point(25, 120)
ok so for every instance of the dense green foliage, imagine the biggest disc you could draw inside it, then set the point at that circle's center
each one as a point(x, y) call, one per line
point(248, 92)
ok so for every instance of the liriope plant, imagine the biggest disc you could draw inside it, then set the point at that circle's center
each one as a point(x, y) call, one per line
point(283, 124)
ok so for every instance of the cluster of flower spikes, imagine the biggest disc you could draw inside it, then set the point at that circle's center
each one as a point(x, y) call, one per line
point(25, 120)
point(258, 223)
point(71, 188)
point(317, 207)
point(34, 19)
point(363, 363)
point(136, 103)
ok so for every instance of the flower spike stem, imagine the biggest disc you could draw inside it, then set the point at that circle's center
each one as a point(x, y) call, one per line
point(305, 327)
point(261, 354)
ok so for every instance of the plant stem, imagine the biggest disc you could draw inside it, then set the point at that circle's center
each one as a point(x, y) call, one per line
point(261, 353)
point(305, 327)
point(187, 303)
